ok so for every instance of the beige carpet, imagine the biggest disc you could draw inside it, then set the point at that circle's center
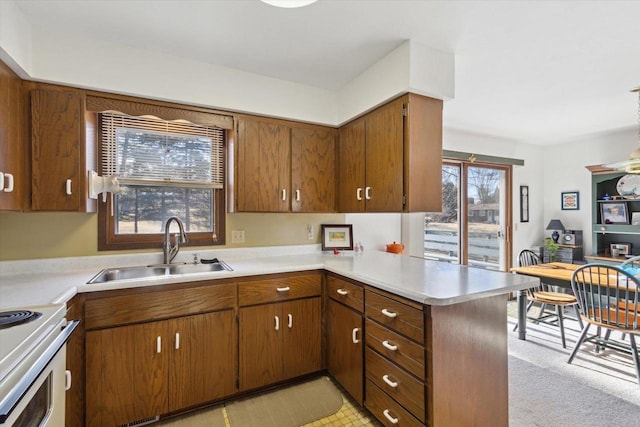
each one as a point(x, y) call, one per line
point(292, 406)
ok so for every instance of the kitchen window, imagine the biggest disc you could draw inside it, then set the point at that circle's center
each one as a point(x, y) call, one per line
point(164, 168)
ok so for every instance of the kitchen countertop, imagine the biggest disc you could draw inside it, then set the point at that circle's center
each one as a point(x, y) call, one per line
point(423, 281)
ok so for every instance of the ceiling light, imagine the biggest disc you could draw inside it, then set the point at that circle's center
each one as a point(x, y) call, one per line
point(289, 3)
point(632, 165)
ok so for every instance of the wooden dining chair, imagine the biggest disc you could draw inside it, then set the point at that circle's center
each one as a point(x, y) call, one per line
point(608, 298)
point(542, 295)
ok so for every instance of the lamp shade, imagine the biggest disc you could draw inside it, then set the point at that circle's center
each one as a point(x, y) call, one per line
point(555, 224)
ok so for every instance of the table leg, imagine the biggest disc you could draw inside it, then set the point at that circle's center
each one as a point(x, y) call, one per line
point(522, 314)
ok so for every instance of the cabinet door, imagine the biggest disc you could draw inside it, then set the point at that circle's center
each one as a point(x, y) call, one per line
point(344, 348)
point(263, 167)
point(260, 345)
point(350, 178)
point(313, 182)
point(126, 374)
point(57, 150)
point(12, 152)
point(384, 158)
point(204, 358)
point(302, 337)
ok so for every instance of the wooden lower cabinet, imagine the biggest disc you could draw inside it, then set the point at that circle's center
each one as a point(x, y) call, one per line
point(279, 341)
point(140, 371)
point(345, 343)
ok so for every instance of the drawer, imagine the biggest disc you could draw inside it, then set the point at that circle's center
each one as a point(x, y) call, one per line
point(397, 383)
point(395, 315)
point(282, 289)
point(387, 410)
point(395, 347)
point(345, 292)
point(153, 305)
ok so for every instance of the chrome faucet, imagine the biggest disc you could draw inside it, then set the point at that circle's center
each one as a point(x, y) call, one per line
point(170, 251)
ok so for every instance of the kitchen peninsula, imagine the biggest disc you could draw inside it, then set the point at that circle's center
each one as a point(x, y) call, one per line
point(456, 320)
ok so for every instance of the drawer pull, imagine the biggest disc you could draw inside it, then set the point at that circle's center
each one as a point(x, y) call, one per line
point(297, 195)
point(342, 292)
point(388, 313)
point(354, 336)
point(367, 193)
point(277, 323)
point(159, 345)
point(290, 318)
point(359, 193)
point(177, 340)
point(389, 417)
point(68, 188)
point(390, 383)
point(67, 380)
point(9, 187)
point(284, 195)
point(389, 346)
point(285, 289)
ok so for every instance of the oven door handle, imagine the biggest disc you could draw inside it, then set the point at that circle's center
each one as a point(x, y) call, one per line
point(10, 401)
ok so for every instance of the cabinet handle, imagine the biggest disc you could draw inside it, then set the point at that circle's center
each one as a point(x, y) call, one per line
point(284, 194)
point(354, 336)
point(277, 323)
point(359, 193)
point(67, 380)
point(69, 187)
point(390, 383)
point(285, 289)
point(389, 417)
point(9, 187)
point(159, 345)
point(342, 292)
point(367, 193)
point(177, 340)
point(297, 195)
point(388, 313)
point(389, 346)
point(290, 318)
point(1, 181)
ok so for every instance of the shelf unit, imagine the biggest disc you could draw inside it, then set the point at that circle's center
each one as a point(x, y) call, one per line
point(604, 182)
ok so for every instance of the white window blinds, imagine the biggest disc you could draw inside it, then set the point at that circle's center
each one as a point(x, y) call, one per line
point(147, 150)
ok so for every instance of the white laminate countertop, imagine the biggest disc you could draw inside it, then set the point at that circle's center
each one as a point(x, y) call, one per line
point(37, 282)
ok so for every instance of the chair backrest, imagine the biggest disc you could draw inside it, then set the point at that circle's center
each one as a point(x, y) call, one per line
point(607, 295)
point(527, 258)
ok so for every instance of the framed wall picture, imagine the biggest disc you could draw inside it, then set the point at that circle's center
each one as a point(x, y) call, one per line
point(635, 218)
point(614, 213)
point(337, 236)
point(524, 203)
point(570, 200)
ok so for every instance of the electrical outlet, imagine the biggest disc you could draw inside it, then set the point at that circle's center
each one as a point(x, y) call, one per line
point(237, 236)
point(310, 232)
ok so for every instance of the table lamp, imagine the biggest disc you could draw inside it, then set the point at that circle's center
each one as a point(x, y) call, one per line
point(555, 225)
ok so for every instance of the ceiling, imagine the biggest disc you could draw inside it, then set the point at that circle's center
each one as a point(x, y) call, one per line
point(541, 72)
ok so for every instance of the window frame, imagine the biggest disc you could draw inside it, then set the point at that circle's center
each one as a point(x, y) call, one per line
point(107, 239)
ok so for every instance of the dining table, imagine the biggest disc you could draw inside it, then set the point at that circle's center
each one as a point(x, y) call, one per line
point(552, 274)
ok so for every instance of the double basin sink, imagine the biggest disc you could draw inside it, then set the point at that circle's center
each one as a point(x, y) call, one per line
point(157, 270)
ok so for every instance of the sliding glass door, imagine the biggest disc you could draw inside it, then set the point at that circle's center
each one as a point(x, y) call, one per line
point(473, 227)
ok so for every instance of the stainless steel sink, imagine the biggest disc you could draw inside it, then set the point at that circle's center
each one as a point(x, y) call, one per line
point(124, 273)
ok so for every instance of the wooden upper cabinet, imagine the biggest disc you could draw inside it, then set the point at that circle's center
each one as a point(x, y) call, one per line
point(390, 160)
point(313, 160)
point(283, 169)
point(263, 167)
point(13, 153)
point(59, 152)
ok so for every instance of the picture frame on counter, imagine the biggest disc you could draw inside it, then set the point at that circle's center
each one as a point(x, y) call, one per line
point(635, 218)
point(337, 237)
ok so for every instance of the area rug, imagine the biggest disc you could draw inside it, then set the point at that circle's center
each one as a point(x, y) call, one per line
point(288, 407)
